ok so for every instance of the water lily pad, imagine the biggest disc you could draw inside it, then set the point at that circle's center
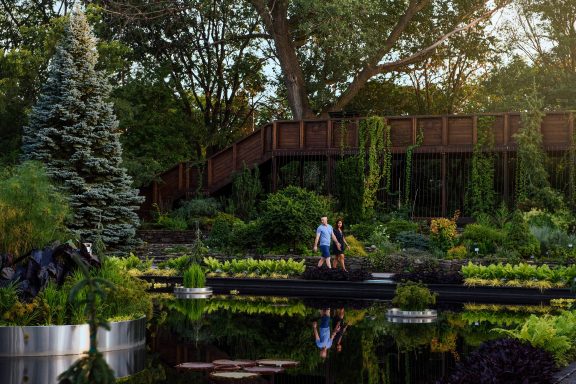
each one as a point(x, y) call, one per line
point(240, 363)
point(264, 370)
point(278, 362)
point(233, 376)
point(196, 366)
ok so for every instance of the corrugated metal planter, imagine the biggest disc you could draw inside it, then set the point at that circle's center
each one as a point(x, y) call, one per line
point(54, 340)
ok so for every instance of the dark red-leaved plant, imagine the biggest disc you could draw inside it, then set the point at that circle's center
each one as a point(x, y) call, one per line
point(504, 361)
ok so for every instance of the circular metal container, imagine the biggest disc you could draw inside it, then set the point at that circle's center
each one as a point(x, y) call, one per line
point(192, 293)
point(55, 340)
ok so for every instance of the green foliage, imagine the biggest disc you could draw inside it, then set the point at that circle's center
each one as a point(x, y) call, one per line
point(522, 272)
point(481, 196)
point(379, 237)
point(487, 239)
point(192, 211)
point(349, 187)
point(374, 158)
point(73, 131)
point(411, 296)
point(222, 230)
point(408, 170)
point(363, 231)
point(55, 301)
point(457, 253)
point(413, 240)
point(291, 215)
point(92, 368)
point(194, 277)
point(8, 297)
point(395, 226)
point(32, 212)
point(246, 188)
point(520, 239)
point(257, 267)
point(250, 305)
point(532, 186)
point(554, 334)
point(355, 247)
point(443, 233)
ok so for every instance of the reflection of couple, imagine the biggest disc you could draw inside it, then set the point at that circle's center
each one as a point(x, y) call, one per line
point(326, 338)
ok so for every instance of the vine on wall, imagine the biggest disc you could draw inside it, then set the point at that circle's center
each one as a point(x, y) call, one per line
point(481, 195)
point(375, 158)
point(409, 153)
point(532, 185)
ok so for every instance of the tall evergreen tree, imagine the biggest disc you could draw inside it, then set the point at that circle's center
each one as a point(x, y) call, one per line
point(74, 131)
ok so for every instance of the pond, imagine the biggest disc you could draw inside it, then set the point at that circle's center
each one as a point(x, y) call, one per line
point(333, 341)
point(364, 346)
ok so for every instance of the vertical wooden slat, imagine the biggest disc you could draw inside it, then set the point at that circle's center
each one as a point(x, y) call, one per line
point(154, 192)
point(274, 173)
point(444, 185)
point(444, 130)
point(188, 170)
point(274, 128)
point(263, 139)
point(329, 134)
point(474, 129)
point(505, 173)
point(414, 130)
point(180, 176)
point(301, 134)
point(209, 172)
point(329, 170)
point(571, 180)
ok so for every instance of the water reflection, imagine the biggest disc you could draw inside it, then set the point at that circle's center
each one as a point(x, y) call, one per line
point(335, 342)
point(45, 369)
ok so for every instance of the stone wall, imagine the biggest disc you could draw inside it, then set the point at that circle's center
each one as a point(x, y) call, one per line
point(157, 236)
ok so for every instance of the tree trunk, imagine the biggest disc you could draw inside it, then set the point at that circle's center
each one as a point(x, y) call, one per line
point(275, 17)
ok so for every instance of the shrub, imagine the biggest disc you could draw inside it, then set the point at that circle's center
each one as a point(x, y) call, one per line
point(396, 226)
point(191, 210)
point(362, 231)
point(379, 237)
point(504, 361)
point(32, 212)
point(520, 239)
point(413, 240)
point(443, 232)
point(355, 247)
point(222, 230)
point(246, 235)
point(246, 188)
point(194, 277)
point(290, 216)
point(459, 252)
point(487, 239)
point(411, 296)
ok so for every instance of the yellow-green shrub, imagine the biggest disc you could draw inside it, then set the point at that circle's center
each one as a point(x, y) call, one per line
point(355, 247)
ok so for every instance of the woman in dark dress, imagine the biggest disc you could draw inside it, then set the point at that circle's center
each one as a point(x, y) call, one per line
point(339, 233)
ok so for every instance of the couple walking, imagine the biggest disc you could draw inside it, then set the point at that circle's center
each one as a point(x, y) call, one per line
point(324, 234)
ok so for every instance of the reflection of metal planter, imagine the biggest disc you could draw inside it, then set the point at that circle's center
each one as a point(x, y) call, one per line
point(192, 293)
point(396, 315)
point(54, 340)
point(45, 369)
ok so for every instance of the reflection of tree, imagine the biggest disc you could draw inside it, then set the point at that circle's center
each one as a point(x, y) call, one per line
point(186, 319)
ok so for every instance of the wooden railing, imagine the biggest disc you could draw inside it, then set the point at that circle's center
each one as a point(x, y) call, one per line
point(442, 135)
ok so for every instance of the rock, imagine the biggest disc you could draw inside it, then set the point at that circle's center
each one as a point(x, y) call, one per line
point(7, 273)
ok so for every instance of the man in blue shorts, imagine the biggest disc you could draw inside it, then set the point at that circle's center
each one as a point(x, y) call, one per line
point(324, 234)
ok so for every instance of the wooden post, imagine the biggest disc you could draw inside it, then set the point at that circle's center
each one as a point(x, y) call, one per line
point(505, 171)
point(444, 130)
point(154, 192)
point(414, 130)
point(188, 170)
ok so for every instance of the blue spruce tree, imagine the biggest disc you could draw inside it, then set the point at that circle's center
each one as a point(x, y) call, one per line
point(73, 130)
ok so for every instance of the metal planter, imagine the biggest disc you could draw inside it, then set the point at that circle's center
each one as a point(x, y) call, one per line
point(56, 340)
point(192, 293)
